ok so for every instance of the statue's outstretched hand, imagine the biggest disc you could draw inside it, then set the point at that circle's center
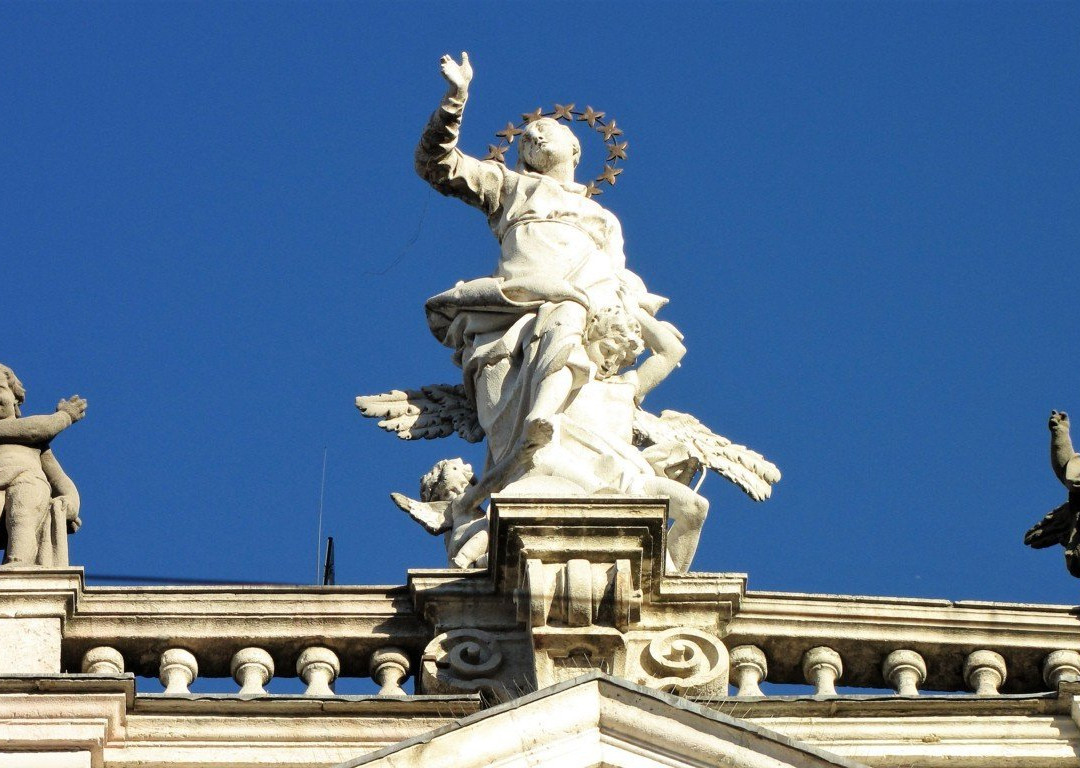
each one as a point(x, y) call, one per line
point(74, 406)
point(457, 75)
point(1059, 420)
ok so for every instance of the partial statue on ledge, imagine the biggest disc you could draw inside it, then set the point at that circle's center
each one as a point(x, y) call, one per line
point(466, 528)
point(545, 341)
point(1060, 526)
point(38, 502)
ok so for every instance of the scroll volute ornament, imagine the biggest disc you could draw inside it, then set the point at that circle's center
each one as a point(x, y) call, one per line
point(461, 660)
point(686, 660)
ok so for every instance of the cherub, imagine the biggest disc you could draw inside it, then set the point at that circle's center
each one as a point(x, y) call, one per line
point(594, 446)
point(466, 529)
point(1060, 526)
point(38, 501)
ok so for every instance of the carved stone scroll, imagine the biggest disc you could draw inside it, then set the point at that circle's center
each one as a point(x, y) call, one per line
point(685, 659)
point(461, 660)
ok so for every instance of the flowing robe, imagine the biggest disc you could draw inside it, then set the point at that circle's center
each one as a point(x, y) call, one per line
point(561, 255)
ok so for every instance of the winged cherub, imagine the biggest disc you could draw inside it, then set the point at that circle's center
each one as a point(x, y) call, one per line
point(38, 501)
point(466, 528)
point(1060, 526)
point(595, 438)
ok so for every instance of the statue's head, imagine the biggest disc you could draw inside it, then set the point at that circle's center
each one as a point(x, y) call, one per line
point(613, 340)
point(547, 144)
point(446, 480)
point(12, 393)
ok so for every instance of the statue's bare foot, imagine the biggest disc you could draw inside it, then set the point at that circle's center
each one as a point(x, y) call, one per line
point(1059, 421)
point(538, 433)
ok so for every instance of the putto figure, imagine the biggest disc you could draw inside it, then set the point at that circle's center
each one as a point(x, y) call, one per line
point(39, 502)
point(544, 340)
point(466, 529)
point(1060, 526)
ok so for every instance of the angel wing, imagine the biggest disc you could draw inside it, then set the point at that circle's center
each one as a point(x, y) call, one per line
point(682, 445)
point(1053, 529)
point(434, 515)
point(438, 410)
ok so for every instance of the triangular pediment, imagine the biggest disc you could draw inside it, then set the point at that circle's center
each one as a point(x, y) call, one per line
point(597, 721)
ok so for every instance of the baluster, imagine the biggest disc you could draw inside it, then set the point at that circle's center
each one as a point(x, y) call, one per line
point(103, 660)
point(252, 668)
point(318, 667)
point(748, 668)
point(821, 667)
point(389, 666)
point(1061, 667)
point(905, 671)
point(177, 670)
point(984, 672)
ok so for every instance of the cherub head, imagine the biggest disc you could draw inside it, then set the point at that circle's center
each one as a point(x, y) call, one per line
point(12, 393)
point(447, 480)
point(547, 144)
point(612, 340)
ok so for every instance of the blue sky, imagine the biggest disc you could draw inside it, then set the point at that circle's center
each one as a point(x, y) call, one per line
point(865, 215)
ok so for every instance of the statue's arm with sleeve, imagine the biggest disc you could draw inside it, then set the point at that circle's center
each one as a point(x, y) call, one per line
point(33, 430)
point(1063, 457)
point(445, 167)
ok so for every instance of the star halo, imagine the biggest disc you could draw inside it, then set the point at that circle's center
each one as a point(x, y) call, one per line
point(608, 130)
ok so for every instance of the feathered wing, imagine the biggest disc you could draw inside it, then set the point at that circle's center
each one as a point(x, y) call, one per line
point(1053, 529)
point(434, 516)
point(682, 434)
point(438, 410)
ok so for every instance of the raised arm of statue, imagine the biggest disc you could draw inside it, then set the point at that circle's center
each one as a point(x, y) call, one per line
point(1063, 457)
point(33, 430)
point(438, 160)
point(667, 348)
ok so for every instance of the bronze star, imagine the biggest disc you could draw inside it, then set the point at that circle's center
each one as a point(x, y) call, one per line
point(610, 131)
point(609, 174)
point(564, 112)
point(509, 132)
point(592, 190)
point(590, 116)
point(532, 117)
point(617, 151)
point(497, 153)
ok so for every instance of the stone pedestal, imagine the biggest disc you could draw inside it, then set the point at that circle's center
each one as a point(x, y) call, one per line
point(34, 605)
point(576, 584)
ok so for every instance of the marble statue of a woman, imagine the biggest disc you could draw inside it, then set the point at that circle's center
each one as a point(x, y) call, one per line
point(518, 333)
point(549, 346)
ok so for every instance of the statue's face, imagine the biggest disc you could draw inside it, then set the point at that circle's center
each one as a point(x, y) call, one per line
point(546, 145)
point(456, 478)
point(608, 355)
point(9, 404)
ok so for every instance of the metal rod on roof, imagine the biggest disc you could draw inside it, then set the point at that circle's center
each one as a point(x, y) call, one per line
point(318, 531)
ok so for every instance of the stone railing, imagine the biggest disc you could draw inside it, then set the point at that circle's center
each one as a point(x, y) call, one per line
point(51, 622)
point(907, 645)
point(575, 584)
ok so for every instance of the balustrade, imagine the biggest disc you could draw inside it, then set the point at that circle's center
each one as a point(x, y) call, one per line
point(186, 636)
point(253, 668)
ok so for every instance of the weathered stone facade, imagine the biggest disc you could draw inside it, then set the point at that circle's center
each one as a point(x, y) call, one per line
point(575, 647)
